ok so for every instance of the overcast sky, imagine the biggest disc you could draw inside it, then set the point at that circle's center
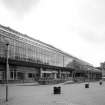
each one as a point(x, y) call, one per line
point(74, 26)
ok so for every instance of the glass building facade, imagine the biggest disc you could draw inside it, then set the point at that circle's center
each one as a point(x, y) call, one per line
point(27, 49)
point(24, 48)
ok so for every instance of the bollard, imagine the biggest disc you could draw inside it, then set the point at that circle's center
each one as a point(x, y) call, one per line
point(57, 90)
point(86, 85)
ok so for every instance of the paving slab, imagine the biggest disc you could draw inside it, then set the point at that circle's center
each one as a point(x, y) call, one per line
point(71, 94)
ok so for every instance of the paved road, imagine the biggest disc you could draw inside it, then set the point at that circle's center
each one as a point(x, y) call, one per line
point(72, 94)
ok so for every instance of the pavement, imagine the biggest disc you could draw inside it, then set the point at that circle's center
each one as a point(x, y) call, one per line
point(71, 94)
point(28, 84)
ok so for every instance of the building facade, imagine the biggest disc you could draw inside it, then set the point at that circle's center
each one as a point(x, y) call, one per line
point(102, 67)
point(30, 60)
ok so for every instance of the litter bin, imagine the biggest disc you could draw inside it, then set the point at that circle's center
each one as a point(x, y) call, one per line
point(87, 85)
point(100, 82)
point(57, 90)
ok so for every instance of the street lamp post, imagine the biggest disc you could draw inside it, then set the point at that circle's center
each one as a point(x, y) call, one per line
point(87, 84)
point(63, 60)
point(7, 69)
